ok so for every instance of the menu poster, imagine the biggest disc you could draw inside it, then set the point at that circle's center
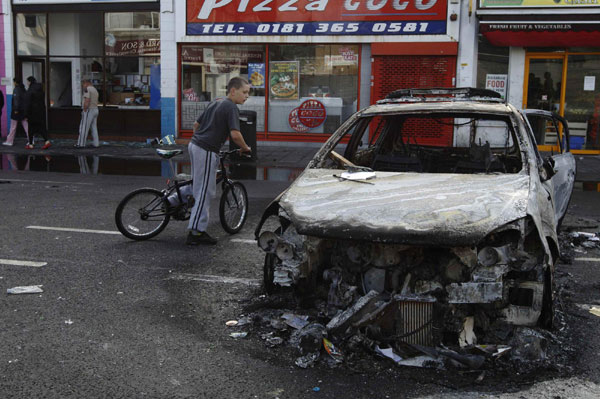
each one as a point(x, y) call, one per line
point(256, 75)
point(284, 80)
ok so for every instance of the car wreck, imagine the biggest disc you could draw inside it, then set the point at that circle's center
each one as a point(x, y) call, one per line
point(427, 219)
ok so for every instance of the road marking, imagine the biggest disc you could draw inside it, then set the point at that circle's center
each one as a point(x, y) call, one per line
point(12, 262)
point(588, 259)
point(213, 279)
point(243, 241)
point(73, 230)
point(46, 181)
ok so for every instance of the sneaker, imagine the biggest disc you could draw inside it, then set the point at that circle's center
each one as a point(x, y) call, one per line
point(7, 144)
point(201, 238)
point(29, 146)
point(78, 146)
point(47, 145)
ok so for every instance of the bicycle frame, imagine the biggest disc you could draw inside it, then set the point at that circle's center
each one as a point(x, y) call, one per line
point(176, 185)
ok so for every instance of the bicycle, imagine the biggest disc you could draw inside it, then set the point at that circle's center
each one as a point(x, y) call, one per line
point(145, 212)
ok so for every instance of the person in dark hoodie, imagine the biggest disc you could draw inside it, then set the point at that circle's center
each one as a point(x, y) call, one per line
point(18, 112)
point(36, 113)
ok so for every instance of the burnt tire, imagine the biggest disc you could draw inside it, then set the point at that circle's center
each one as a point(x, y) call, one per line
point(546, 319)
point(268, 274)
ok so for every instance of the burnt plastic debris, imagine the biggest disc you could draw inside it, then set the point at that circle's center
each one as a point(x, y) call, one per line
point(308, 339)
point(307, 360)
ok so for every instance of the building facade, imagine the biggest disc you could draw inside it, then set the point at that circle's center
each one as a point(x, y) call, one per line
point(311, 63)
point(546, 54)
point(114, 44)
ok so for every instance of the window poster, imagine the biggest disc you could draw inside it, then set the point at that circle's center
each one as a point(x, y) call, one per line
point(284, 80)
point(256, 75)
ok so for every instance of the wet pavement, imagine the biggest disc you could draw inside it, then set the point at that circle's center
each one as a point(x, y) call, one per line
point(274, 161)
point(280, 163)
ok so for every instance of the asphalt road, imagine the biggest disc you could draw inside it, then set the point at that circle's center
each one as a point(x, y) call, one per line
point(147, 319)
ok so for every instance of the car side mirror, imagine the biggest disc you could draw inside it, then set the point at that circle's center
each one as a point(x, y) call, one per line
point(547, 170)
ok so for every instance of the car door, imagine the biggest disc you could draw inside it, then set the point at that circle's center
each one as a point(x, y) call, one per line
point(563, 162)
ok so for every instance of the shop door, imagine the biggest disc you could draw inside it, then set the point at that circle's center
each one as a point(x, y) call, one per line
point(543, 90)
point(35, 68)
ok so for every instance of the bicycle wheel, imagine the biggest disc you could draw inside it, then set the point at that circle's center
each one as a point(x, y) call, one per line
point(142, 214)
point(233, 208)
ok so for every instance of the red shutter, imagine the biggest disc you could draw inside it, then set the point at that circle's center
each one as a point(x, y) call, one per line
point(393, 72)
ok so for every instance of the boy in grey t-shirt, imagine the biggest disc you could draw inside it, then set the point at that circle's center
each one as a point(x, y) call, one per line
point(221, 119)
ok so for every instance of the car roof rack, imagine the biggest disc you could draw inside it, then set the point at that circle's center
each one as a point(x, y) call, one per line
point(442, 94)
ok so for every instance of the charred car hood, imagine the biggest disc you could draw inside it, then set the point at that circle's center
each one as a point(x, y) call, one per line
point(409, 208)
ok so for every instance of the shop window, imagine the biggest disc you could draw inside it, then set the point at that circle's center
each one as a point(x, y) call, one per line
point(132, 33)
point(492, 66)
point(31, 34)
point(205, 71)
point(128, 80)
point(312, 88)
point(582, 101)
point(66, 74)
point(75, 34)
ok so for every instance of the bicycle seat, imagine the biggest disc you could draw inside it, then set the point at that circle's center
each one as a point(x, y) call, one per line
point(183, 177)
point(168, 154)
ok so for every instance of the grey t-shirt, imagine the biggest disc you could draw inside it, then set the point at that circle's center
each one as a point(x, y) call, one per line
point(216, 122)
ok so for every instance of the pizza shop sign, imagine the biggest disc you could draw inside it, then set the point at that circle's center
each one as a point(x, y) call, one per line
point(316, 17)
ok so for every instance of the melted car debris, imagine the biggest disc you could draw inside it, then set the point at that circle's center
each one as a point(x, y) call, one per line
point(357, 329)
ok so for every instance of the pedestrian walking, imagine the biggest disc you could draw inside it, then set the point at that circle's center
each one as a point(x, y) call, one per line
point(220, 120)
point(89, 116)
point(18, 111)
point(36, 113)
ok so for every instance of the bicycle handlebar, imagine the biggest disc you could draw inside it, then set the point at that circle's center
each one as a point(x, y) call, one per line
point(243, 154)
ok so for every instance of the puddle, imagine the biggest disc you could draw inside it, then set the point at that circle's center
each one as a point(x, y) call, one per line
point(93, 164)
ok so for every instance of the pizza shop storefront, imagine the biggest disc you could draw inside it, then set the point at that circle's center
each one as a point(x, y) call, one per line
point(309, 64)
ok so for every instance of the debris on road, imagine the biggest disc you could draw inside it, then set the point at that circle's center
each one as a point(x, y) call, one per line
point(30, 289)
point(242, 334)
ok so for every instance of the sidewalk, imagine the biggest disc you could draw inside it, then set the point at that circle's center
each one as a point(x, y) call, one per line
point(268, 155)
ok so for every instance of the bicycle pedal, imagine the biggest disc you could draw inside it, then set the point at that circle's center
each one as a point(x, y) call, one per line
point(190, 201)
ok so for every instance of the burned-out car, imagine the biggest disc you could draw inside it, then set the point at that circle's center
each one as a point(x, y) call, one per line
point(429, 217)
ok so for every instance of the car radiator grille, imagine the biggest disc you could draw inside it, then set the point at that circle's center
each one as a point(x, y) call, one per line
point(414, 322)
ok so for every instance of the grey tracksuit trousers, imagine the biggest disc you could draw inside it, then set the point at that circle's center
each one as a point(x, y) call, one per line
point(204, 173)
point(89, 120)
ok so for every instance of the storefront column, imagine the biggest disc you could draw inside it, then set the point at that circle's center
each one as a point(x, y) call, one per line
point(168, 69)
point(365, 77)
point(516, 76)
point(466, 65)
point(7, 69)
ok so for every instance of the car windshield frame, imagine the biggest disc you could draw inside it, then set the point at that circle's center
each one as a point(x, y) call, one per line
point(351, 137)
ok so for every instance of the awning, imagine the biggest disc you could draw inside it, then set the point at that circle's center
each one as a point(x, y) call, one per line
point(541, 34)
point(541, 28)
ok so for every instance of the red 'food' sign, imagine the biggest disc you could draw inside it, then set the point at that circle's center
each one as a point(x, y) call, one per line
point(311, 113)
